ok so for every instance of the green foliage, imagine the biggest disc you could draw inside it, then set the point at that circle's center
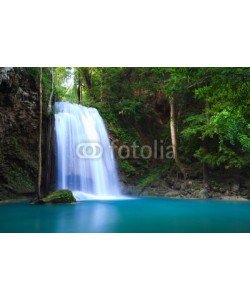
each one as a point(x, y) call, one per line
point(195, 126)
point(127, 168)
point(47, 86)
point(155, 174)
point(216, 129)
point(150, 178)
point(212, 109)
point(33, 72)
point(64, 84)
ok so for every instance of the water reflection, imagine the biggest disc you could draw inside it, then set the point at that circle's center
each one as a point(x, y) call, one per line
point(103, 217)
point(86, 217)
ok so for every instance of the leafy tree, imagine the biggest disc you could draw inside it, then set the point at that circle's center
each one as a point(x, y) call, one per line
point(223, 119)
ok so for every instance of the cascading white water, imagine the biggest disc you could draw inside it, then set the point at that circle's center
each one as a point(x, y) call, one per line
point(84, 157)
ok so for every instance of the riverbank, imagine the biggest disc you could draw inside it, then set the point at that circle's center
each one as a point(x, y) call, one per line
point(189, 189)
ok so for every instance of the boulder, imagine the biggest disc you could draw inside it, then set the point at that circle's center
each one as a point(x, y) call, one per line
point(177, 185)
point(203, 194)
point(57, 197)
point(236, 188)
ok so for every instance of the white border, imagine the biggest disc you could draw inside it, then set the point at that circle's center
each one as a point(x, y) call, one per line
point(126, 266)
point(124, 33)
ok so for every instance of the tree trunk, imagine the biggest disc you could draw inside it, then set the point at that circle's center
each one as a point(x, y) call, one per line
point(79, 91)
point(52, 91)
point(174, 138)
point(39, 179)
point(48, 170)
point(87, 78)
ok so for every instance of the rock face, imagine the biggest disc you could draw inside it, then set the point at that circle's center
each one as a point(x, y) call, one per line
point(57, 197)
point(19, 113)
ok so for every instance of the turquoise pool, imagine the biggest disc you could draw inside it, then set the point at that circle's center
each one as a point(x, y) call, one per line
point(143, 214)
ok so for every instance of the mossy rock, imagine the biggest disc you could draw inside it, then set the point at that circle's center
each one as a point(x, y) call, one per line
point(57, 197)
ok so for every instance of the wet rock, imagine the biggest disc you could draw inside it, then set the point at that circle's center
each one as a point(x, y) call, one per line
point(131, 190)
point(57, 197)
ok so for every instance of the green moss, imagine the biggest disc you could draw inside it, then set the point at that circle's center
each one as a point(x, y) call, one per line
point(60, 196)
point(18, 179)
point(126, 167)
point(25, 155)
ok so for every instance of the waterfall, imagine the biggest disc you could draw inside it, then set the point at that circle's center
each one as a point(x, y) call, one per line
point(85, 161)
